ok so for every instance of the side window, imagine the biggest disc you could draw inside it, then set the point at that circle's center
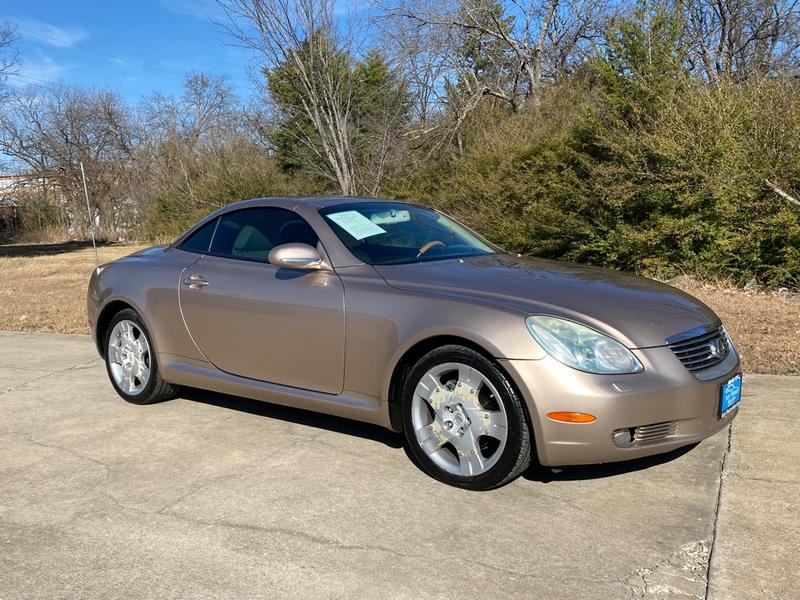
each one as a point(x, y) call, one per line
point(251, 233)
point(200, 240)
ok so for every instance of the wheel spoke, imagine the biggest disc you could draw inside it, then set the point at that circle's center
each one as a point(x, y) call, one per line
point(472, 464)
point(144, 372)
point(488, 422)
point(128, 374)
point(114, 354)
point(431, 437)
point(469, 377)
point(468, 397)
point(470, 459)
point(437, 398)
point(430, 390)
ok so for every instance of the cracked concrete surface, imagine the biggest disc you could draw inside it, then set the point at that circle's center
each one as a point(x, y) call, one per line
point(681, 574)
point(211, 496)
point(757, 548)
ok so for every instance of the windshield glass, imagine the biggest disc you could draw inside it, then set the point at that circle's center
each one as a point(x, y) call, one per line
point(391, 233)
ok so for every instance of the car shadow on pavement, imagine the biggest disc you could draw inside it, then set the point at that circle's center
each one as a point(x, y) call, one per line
point(537, 472)
point(295, 415)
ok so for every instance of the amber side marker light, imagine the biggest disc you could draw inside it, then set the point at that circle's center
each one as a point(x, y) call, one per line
point(571, 417)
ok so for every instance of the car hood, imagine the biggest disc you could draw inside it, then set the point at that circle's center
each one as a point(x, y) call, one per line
point(639, 312)
point(145, 254)
point(151, 251)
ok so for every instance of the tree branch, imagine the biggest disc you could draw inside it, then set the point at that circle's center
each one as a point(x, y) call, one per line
point(781, 193)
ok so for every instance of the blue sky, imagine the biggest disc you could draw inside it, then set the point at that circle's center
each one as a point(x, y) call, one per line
point(133, 47)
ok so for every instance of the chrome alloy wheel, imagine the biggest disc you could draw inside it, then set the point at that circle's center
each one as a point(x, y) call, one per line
point(129, 357)
point(459, 420)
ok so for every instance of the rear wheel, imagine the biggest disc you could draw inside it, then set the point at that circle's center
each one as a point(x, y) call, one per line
point(463, 420)
point(131, 361)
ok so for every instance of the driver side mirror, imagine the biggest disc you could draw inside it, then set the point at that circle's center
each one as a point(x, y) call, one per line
point(296, 256)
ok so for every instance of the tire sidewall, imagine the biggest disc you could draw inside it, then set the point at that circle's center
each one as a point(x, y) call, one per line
point(144, 396)
point(518, 433)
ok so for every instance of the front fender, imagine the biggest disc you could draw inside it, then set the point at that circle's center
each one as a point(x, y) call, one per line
point(149, 285)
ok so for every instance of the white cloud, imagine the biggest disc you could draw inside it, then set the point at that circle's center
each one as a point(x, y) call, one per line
point(126, 64)
point(40, 70)
point(46, 33)
point(201, 9)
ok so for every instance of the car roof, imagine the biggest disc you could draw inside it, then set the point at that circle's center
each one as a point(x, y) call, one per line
point(288, 202)
point(291, 202)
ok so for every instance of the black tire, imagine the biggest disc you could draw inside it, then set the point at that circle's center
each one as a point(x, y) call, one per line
point(156, 389)
point(514, 457)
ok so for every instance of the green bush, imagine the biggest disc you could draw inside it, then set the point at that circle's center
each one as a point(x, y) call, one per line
point(683, 191)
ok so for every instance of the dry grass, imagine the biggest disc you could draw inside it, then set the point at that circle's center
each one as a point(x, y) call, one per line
point(46, 235)
point(764, 325)
point(43, 288)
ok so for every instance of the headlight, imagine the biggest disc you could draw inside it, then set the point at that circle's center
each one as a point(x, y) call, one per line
point(731, 345)
point(581, 347)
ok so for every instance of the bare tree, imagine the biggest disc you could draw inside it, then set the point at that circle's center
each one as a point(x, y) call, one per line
point(423, 62)
point(206, 109)
point(576, 31)
point(741, 38)
point(177, 132)
point(51, 130)
point(459, 53)
point(303, 35)
point(8, 53)
point(523, 43)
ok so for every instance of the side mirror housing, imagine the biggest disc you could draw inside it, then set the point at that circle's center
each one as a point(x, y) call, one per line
point(296, 256)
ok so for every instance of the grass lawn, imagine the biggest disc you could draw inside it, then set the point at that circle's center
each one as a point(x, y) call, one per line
point(43, 288)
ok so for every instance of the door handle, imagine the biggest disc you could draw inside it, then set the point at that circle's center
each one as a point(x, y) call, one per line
point(195, 282)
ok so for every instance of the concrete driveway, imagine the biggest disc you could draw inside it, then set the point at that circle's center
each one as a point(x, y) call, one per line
point(212, 496)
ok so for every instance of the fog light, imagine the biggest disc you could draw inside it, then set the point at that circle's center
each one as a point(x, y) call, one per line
point(623, 438)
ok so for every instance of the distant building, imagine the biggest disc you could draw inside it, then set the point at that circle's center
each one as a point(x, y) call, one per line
point(17, 187)
point(9, 184)
point(9, 192)
point(17, 190)
point(8, 212)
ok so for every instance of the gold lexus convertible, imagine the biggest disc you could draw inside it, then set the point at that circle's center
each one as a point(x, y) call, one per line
point(395, 314)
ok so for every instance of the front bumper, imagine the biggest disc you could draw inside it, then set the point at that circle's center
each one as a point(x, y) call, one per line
point(93, 308)
point(665, 392)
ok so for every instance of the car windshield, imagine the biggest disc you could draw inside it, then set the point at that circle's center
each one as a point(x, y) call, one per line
point(391, 233)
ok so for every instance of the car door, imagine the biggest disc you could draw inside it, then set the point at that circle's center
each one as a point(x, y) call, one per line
point(255, 320)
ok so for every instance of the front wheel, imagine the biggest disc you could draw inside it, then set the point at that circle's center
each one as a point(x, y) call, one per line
point(131, 361)
point(463, 420)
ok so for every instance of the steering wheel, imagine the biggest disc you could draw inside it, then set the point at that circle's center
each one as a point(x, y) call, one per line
point(428, 246)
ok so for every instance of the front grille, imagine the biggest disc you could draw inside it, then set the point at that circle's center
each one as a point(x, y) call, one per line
point(652, 433)
point(702, 351)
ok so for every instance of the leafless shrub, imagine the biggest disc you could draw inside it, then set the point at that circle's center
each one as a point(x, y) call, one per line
point(742, 38)
point(51, 130)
